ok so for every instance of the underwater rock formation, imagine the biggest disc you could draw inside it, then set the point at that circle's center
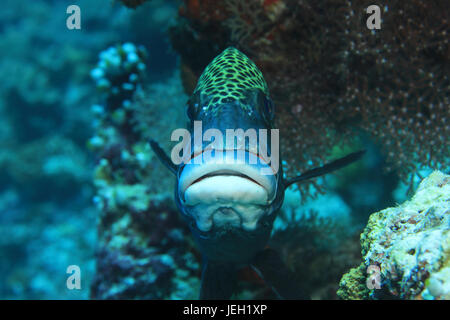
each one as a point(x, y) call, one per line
point(406, 249)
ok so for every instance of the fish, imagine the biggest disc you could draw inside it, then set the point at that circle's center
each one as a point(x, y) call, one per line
point(230, 198)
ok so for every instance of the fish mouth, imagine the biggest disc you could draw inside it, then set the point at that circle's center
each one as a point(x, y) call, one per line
point(257, 172)
point(227, 193)
point(225, 172)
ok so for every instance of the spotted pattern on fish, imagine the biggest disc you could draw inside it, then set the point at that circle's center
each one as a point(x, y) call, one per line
point(228, 77)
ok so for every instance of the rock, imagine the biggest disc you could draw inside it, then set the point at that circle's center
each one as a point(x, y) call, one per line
point(407, 247)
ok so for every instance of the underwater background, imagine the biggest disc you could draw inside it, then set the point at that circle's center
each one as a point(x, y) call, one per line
point(79, 184)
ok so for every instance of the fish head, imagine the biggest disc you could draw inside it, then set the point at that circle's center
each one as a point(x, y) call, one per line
point(230, 187)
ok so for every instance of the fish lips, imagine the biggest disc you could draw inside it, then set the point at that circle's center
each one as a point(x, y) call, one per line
point(229, 166)
point(228, 192)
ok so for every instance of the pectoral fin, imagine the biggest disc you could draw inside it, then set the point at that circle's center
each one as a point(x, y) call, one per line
point(329, 167)
point(163, 157)
point(218, 281)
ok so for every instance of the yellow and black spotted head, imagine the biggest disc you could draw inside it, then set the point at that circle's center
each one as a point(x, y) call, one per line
point(231, 78)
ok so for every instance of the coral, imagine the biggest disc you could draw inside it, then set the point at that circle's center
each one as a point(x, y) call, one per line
point(43, 161)
point(126, 121)
point(48, 220)
point(144, 251)
point(317, 249)
point(203, 11)
point(246, 19)
point(409, 245)
point(45, 98)
point(353, 285)
point(407, 83)
point(133, 3)
point(119, 74)
point(45, 167)
point(331, 78)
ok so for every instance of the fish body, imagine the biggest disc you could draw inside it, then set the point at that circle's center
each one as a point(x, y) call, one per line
point(236, 214)
point(230, 186)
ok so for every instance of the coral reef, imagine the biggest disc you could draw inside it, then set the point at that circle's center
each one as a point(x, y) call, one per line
point(406, 248)
point(331, 80)
point(48, 218)
point(331, 77)
point(144, 250)
point(138, 217)
point(317, 249)
point(45, 170)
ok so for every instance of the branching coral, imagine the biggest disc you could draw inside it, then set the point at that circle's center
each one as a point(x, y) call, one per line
point(246, 19)
point(317, 249)
point(402, 97)
point(45, 122)
point(118, 76)
point(144, 250)
point(330, 76)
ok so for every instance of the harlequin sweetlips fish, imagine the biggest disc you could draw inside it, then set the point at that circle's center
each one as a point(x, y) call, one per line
point(230, 202)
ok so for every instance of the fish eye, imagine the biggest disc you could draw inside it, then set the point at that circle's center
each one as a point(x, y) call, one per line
point(268, 108)
point(191, 110)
